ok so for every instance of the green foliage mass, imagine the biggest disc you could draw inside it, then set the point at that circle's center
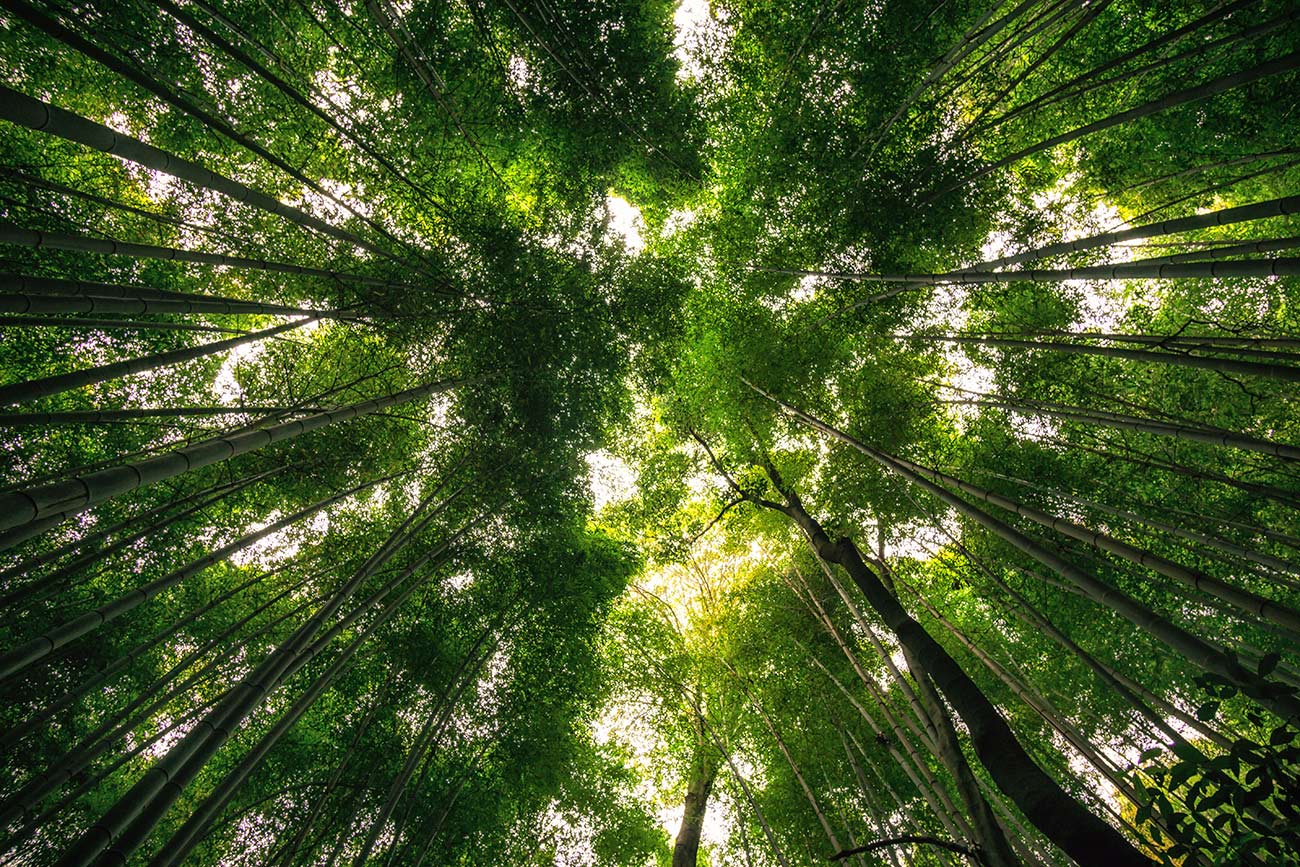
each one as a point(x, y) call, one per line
point(496, 557)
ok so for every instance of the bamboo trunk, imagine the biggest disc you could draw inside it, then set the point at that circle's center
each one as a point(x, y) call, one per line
point(33, 504)
point(32, 651)
point(1276, 66)
point(699, 785)
point(1279, 207)
point(35, 389)
point(1207, 656)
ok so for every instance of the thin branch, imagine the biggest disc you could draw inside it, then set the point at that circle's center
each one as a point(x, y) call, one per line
point(725, 509)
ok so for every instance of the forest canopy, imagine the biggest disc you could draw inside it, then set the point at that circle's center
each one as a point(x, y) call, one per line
point(637, 432)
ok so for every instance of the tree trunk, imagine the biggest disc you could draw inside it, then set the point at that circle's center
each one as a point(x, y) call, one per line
point(25, 654)
point(920, 775)
point(33, 504)
point(698, 787)
point(27, 285)
point(785, 751)
point(1277, 66)
point(35, 389)
point(107, 247)
point(1063, 820)
point(52, 707)
point(110, 324)
point(197, 825)
point(1089, 15)
point(1246, 601)
point(1222, 217)
point(103, 416)
point(1282, 372)
point(126, 824)
point(1120, 421)
point(989, 833)
point(432, 730)
point(1207, 656)
point(98, 535)
point(193, 23)
point(43, 117)
point(971, 40)
point(1281, 267)
point(1147, 461)
point(106, 734)
point(1080, 84)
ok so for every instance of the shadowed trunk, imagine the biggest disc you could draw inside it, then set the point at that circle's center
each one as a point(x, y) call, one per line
point(698, 787)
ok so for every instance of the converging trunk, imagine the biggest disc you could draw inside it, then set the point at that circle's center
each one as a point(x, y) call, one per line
point(698, 788)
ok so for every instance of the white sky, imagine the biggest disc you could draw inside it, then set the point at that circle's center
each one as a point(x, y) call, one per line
point(625, 223)
point(609, 479)
point(690, 20)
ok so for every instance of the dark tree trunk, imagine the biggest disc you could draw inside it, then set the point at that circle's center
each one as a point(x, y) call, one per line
point(687, 846)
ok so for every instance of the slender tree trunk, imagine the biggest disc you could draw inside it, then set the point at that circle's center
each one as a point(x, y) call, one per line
point(33, 504)
point(33, 181)
point(32, 651)
point(971, 40)
point(20, 237)
point(1207, 167)
point(193, 23)
point(927, 733)
point(917, 772)
point(126, 824)
point(749, 795)
point(1082, 83)
point(1277, 66)
point(1139, 697)
point(204, 495)
point(434, 724)
point(98, 742)
point(876, 814)
point(990, 65)
point(1089, 15)
point(18, 732)
point(1274, 563)
point(110, 324)
point(35, 389)
point(450, 802)
point(1281, 267)
point(70, 296)
point(1245, 600)
point(1044, 708)
point(102, 416)
point(31, 829)
point(1278, 207)
point(1286, 373)
point(698, 787)
point(1265, 245)
point(1207, 656)
point(789, 758)
point(989, 833)
point(196, 827)
point(1120, 421)
point(1147, 461)
point(43, 117)
point(1064, 821)
point(290, 850)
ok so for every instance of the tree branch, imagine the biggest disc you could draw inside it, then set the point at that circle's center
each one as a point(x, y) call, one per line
point(716, 518)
